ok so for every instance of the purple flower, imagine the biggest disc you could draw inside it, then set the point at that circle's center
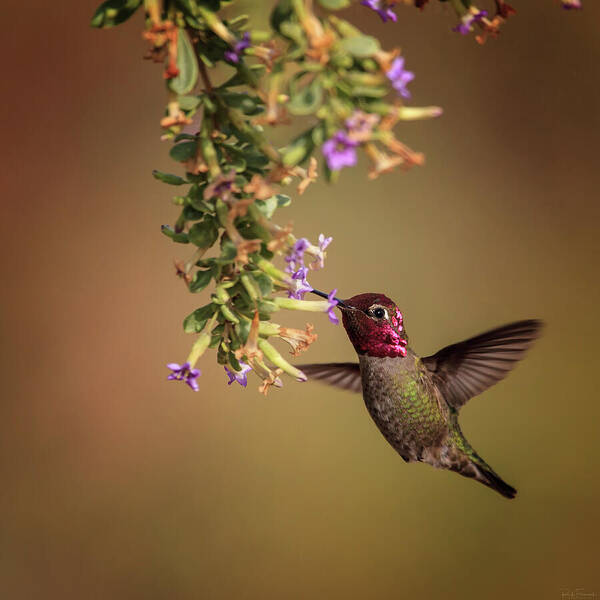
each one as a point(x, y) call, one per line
point(465, 26)
point(300, 247)
point(332, 304)
point(240, 376)
point(324, 242)
point(233, 55)
point(295, 258)
point(296, 267)
point(319, 261)
point(301, 285)
point(184, 373)
point(399, 76)
point(382, 8)
point(340, 151)
point(572, 4)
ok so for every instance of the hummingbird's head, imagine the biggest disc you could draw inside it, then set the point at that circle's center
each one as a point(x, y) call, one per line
point(374, 325)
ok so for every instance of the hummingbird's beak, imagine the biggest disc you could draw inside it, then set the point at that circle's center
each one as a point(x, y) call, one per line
point(340, 303)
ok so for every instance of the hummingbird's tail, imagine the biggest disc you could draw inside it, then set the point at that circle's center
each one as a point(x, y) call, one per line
point(469, 464)
point(486, 476)
point(460, 457)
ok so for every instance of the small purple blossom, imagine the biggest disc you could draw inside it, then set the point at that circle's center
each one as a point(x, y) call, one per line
point(382, 8)
point(295, 263)
point(184, 373)
point(301, 285)
point(295, 258)
point(300, 247)
point(466, 25)
point(572, 4)
point(233, 55)
point(324, 242)
point(240, 376)
point(319, 261)
point(400, 77)
point(340, 151)
point(332, 304)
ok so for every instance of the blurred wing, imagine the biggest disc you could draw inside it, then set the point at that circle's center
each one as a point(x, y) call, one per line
point(466, 369)
point(343, 375)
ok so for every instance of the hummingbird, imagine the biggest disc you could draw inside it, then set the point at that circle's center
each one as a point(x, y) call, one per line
point(415, 401)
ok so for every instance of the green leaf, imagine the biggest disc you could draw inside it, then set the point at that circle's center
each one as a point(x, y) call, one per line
point(250, 230)
point(233, 361)
point(256, 161)
point(238, 291)
point(295, 32)
point(114, 12)
point(228, 253)
point(180, 137)
point(187, 65)
point(238, 164)
point(188, 7)
point(191, 214)
point(217, 335)
point(195, 200)
point(195, 322)
point(346, 29)
point(213, 5)
point(307, 100)
point(360, 46)
point(242, 307)
point(168, 178)
point(243, 329)
point(282, 12)
point(205, 233)
point(223, 354)
point(240, 78)
point(249, 105)
point(193, 22)
point(215, 269)
point(200, 281)
point(206, 263)
point(371, 91)
point(184, 151)
point(188, 103)
point(180, 238)
point(263, 281)
point(265, 308)
point(239, 22)
point(264, 252)
point(334, 4)
point(267, 207)
point(200, 205)
point(299, 149)
point(283, 200)
point(362, 78)
point(318, 135)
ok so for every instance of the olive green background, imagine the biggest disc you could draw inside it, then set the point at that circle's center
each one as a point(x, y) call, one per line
point(119, 484)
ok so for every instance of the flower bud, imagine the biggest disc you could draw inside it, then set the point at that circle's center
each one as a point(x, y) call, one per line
point(278, 360)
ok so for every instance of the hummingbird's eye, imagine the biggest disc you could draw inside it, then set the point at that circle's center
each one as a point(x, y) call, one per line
point(380, 313)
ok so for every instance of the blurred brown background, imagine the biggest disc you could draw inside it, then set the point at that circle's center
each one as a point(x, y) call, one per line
point(118, 484)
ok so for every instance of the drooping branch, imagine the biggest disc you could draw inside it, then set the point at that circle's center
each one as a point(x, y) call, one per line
point(310, 66)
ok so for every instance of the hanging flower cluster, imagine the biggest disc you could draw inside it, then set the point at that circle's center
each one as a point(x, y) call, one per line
point(226, 84)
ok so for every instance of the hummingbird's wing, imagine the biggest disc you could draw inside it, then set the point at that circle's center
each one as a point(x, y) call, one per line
point(466, 369)
point(343, 375)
